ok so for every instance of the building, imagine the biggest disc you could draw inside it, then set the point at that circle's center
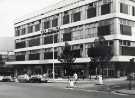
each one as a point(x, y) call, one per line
point(6, 47)
point(41, 35)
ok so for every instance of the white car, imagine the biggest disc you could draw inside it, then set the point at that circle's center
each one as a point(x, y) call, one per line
point(23, 78)
point(7, 79)
point(1, 78)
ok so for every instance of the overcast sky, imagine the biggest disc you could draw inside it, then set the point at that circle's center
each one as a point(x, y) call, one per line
point(12, 9)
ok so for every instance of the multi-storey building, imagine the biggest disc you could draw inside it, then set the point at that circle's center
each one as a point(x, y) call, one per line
point(40, 36)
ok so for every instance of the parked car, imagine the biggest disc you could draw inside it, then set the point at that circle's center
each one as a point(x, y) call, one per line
point(1, 78)
point(35, 79)
point(38, 79)
point(7, 79)
point(23, 78)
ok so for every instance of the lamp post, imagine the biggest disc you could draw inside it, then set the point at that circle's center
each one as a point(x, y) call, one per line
point(53, 71)
point(130, 74)
point(54, 31)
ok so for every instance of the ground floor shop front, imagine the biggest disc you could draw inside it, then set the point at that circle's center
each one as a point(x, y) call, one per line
point(84, 70)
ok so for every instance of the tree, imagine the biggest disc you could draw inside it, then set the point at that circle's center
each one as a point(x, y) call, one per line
point(130, 72)
point(1, 60)
point(67, 58)
point(100, 53)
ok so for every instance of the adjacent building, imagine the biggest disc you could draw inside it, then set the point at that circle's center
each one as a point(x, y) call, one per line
point(40, 36)
point(6, 47)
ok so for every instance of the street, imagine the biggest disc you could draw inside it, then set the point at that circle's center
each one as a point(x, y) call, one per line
point(28, 90)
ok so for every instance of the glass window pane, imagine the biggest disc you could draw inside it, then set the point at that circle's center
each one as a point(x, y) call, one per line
point(54, 22)
point(76, 16)
point(125, 30)
point(66, 19)
point(123, 8)
point(91, 12)
point(104, 30)
point(105, 9)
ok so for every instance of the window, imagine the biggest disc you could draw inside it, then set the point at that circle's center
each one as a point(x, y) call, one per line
point(76, 53)
point(130, 51)
point(48, 39)
point(125, 43)
point(30, 29)
point(23, 31)
point(65, 19)
point(55, 38)
point(37, 27)
point(20, 57)
point(17, 33)
point(34, 42)
point(48, 55)
point(54, 22)
point(91, 12)
point(34, 56)
point(67, 37)
point(133, 11)
point(46, 24)
point(104, 30)
point(105, 9)
point(123, 8)
point(76, 16)
point(125, 29)
point(20, 45)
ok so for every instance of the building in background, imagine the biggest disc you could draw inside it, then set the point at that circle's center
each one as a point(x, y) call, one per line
point(80, 22)
point(6, 47)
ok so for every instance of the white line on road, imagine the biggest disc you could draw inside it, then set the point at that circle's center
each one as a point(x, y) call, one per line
point(119, 93)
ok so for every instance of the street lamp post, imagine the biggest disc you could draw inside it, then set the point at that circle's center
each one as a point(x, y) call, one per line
point(130, 74)
point(54, 31)
point(53, 71)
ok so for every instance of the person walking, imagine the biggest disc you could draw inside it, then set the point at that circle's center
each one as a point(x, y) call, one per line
point(75, 77)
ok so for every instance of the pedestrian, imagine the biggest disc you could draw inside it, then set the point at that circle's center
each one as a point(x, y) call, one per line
point(75, 77)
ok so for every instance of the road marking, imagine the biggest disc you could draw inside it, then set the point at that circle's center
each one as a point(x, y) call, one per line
point(113, 92)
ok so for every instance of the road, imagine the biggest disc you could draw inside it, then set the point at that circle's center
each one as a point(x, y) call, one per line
point(25, 90)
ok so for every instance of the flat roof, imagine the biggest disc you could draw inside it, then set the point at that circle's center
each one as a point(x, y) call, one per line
point(48, 9)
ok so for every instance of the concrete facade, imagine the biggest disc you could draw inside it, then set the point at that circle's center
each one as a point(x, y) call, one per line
point(78, 22)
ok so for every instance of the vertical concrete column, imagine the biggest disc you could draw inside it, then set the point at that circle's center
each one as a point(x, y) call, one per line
point(83, 13)
point(42, 24)
point(27, 55)
point(116, 48)
point(41, 39)
point(70, 17)
point(116, 6)
point(59, 24)
point(98, 10)
point(33, 27)
point(60, 20)
point(116, 26)
point(27, 43)
point(84, 52)
point(26, 28)
point(42, 54)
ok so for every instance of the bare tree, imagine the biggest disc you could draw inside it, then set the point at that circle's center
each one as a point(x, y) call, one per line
point(100, 53)
point(67, 58)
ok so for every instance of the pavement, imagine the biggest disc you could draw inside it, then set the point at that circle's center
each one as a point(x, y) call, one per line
point(117, 85)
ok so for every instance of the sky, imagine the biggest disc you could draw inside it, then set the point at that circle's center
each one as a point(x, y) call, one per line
point(13, 9)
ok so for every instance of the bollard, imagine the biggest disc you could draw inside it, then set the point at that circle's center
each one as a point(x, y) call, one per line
point(100, 80)
point(71, 83)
